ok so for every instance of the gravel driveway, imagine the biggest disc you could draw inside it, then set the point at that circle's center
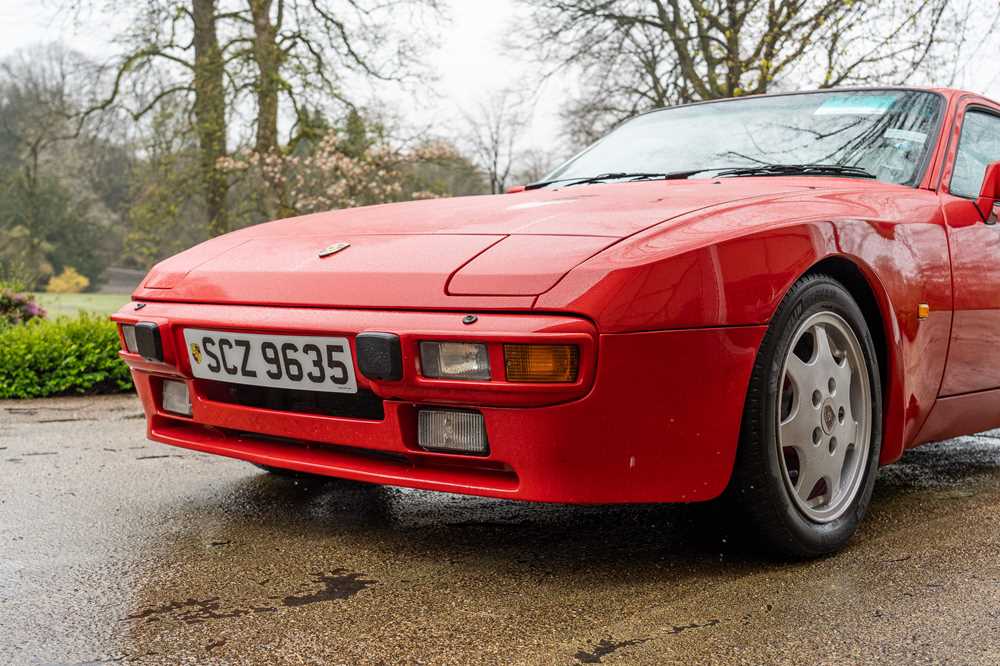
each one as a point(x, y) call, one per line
point(113, 549)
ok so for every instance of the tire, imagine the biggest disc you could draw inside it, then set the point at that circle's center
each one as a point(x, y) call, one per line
point(801, 487)
point(278, 471)
point(294, 474)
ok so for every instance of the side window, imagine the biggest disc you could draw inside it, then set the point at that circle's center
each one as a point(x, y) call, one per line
point(978, 148)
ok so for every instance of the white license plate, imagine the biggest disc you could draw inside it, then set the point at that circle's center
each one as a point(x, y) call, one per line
point(277, 361)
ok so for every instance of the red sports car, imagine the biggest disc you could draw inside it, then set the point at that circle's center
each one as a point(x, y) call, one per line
point(762, 299)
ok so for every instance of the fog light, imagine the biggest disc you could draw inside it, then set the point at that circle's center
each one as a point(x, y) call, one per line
point(542, 363)
point(176, 398)
point(452, 431)
point(128, 332)
point(454, 360)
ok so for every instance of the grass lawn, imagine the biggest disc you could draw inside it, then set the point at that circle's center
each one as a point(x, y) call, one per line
point(73, 304)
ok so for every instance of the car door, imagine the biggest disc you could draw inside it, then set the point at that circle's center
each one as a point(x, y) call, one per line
point(974, 354)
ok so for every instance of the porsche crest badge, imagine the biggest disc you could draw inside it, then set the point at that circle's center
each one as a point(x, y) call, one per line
point(333, 249)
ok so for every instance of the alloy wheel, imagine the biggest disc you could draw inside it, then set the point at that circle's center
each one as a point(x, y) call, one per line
point(824, 417)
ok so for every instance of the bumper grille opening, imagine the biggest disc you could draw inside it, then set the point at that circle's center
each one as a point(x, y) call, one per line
point(361, 405)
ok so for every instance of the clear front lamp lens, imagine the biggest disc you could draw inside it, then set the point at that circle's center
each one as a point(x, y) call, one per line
point(128, 332)
point(454, 360)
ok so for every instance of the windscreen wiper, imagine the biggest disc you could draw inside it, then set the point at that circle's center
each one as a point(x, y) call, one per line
point(623, 175)
point(756, 170)
point(798, 170)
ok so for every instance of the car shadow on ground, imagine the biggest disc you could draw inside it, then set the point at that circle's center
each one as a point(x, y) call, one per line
point(434, 525)
point(256, 552)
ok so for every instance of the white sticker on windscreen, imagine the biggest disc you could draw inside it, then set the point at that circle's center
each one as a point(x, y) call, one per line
point(905, 135)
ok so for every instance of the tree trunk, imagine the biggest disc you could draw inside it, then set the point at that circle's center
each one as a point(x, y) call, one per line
point(267, 55)
point(269, 59)
point(210, 113)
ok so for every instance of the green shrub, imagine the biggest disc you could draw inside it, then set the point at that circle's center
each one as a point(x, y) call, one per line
point(62, 356)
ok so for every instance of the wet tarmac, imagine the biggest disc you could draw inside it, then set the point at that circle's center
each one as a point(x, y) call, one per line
point(113, 549)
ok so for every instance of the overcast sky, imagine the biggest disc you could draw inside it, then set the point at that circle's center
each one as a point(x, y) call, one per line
point(471, 61)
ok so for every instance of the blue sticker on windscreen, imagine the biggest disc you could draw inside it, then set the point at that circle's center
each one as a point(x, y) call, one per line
point(856, 105)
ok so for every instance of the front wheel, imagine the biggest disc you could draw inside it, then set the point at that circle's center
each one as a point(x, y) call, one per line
point(812, 425)
point(295, 474)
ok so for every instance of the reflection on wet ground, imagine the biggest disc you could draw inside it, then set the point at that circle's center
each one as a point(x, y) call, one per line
point(115, 549)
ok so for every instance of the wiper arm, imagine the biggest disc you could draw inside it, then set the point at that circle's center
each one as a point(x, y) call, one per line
point(630, 175)
point(799, 170)
point(587, 180)
point(621, 175)
point(545, 183)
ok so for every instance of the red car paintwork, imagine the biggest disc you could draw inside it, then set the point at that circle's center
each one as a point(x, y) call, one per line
point(666, 286)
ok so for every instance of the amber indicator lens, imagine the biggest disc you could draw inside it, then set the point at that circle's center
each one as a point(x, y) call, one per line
point(542, 363)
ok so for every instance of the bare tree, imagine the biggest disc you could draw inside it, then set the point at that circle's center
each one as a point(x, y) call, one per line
point(172, 53)
point(493, 132)
point(59, 187)
point(309, 53)
point(641, 54)
point(39, 78)
point(217, 57)
point(532, 165)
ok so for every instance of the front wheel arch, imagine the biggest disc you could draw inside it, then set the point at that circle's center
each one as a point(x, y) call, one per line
point(873, 300)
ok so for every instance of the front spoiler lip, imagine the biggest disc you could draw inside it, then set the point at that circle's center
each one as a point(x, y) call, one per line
point(435, 471)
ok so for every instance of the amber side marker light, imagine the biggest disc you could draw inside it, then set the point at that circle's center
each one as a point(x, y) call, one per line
point(554, 364)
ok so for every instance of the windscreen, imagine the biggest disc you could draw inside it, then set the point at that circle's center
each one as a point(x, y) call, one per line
point(884, 132)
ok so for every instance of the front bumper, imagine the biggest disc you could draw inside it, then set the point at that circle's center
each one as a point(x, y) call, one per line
point(653, 417)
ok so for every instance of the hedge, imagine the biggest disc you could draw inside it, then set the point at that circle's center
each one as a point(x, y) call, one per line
point(62, 356)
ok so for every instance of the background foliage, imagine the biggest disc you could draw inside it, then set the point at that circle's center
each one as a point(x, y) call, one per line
point(211, 115)
point(59, 357)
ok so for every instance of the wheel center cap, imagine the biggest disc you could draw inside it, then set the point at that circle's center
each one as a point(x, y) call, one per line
point(828, 417)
